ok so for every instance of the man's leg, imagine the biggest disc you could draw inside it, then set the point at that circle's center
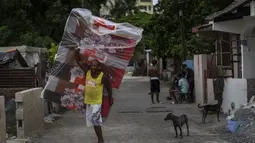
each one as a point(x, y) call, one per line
point(171, 93)
point(188, 98)
point(152, 90)
point(152, 98)
point(175, 99)
point(49, 107)
point(99, 134)
point(157, 89)
point(93, 118)
point(191, 91)
point(158, 97)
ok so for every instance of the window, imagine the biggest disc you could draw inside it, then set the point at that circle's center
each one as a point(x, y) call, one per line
point(142, 7)
point(149, 8)
point(145, 0)
point(224, 50)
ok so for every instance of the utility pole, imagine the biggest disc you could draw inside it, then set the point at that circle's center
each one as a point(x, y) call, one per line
point(182, 35)
point(82, 3)
point(182, 28)
point(148, 51)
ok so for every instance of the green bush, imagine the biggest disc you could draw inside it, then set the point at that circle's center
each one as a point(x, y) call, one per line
point(52, 51)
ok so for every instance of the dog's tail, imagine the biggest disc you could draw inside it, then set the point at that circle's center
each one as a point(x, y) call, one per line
point(199, 106)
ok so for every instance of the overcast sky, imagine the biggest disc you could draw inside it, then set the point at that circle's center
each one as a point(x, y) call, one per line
point(155, 2)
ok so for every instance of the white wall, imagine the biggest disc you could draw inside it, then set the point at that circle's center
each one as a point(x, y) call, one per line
point(235, 91)
point(210, 92)
point(248, 59)
point(31, 58)
point(200, 64)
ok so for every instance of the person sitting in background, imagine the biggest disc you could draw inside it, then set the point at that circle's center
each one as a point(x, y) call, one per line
point(184, 85)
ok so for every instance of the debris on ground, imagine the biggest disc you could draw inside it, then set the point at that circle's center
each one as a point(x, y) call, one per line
point(245, 125)
point(14, 140)
point(51, 118)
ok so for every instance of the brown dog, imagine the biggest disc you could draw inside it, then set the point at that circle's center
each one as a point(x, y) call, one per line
point(178, 122)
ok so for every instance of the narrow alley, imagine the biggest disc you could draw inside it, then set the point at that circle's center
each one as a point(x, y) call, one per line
point(134, 119)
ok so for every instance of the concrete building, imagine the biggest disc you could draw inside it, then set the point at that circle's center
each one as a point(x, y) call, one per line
point(105, 9)
point(233, 29)
point(35, 57)
point(145, 6)
point(23, 78)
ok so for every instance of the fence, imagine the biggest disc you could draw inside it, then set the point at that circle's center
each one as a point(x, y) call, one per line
point(17, 78)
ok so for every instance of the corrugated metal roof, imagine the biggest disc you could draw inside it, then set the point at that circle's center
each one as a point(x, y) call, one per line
point(7, 58)
point(23, 49)
point(228, 9)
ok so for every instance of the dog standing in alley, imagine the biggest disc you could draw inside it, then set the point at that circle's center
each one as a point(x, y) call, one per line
point(178, 122)
point(213, 108)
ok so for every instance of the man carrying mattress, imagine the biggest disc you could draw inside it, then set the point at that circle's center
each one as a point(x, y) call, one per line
point(96, 81)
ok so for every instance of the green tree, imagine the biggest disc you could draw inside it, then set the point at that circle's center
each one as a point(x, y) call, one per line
point(38, 22)
point(166, 26)
point(167, 32)
point(52, 51)
point(141, 20)
point(5, 35)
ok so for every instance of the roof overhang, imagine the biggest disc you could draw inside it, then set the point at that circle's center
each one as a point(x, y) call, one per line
point(229, 9)
point(229, 19)
point(205, 30)
point(201, 28)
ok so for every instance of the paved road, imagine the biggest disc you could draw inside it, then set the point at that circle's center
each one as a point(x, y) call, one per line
point(134, 120)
